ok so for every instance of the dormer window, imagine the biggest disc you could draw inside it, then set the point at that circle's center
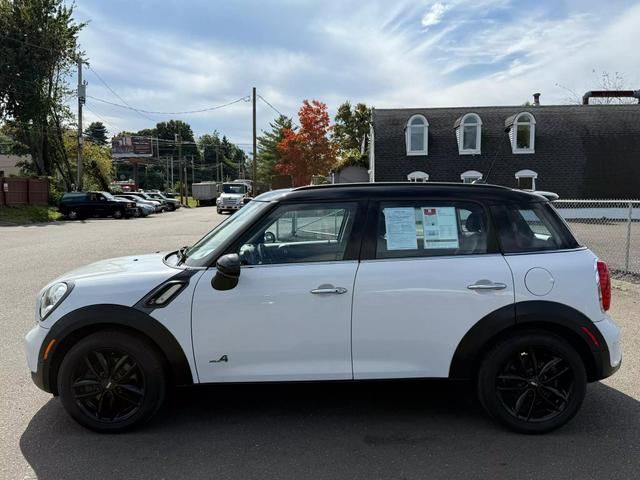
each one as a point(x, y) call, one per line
point(522, 132)
point(470, 176)
point(468, 133)
point(418, 177)
point(417, 137)
point(526, 179)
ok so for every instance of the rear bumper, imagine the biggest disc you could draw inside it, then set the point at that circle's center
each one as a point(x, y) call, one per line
point(610, 357)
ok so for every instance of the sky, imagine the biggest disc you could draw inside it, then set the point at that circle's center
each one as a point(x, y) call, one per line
point(184, 55)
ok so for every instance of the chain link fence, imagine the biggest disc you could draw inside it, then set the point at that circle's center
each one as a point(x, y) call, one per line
point(610, 228)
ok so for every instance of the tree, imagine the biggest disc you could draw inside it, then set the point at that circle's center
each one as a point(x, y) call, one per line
point(38, 49)
point(351, 128)
point(96, 162)
point(605, 81)
point(307, 151)
point(97, 133)
point(217, 151)
point(268, 153)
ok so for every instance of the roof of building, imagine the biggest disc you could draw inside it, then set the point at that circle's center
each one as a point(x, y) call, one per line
point(571, 141)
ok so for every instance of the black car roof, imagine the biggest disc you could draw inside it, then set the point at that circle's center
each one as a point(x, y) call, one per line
point(494, 194)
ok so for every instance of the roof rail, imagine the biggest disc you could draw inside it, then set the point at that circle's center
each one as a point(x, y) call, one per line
point(402, 184)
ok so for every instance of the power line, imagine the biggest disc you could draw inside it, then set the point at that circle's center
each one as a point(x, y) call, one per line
point(208, 109)
point(118, 96)
point(276, 110)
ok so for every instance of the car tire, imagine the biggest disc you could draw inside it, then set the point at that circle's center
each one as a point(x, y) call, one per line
point(117, 214)
point(112, 381)
point(219, 211)
point(171, 208)
point(533, 382)
point(137, 213)
point(73, 215)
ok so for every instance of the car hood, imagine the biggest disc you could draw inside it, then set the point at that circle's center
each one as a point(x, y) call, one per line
point(116, 281)
point(135, 265)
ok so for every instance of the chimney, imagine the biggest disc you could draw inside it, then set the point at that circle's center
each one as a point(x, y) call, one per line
point(536, 99)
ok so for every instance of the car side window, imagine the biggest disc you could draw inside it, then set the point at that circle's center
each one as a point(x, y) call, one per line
point(426, 229)
point(300, 233)
point(531, 227)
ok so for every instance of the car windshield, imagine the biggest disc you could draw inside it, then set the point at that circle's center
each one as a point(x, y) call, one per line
point(227, 188)
point(200, 254)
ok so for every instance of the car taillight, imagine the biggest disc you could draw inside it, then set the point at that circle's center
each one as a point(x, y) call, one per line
point(604, 284)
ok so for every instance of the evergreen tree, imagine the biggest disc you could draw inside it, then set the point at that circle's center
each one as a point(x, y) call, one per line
point(268, 153)
point(97, 133)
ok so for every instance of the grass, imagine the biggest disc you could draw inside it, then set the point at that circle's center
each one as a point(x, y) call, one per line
point(26, 214)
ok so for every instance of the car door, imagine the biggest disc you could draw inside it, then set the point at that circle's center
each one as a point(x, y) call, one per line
point(289, 316)
point(430, 271)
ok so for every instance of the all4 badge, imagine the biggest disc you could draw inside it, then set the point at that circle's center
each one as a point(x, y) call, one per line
point(223, 358)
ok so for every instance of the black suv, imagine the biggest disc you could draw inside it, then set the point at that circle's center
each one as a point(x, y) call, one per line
point(76, 205)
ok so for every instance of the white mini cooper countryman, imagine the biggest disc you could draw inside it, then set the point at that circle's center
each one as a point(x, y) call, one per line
point(344, 282)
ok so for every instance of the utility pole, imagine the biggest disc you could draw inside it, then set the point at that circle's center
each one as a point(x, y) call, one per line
point(217, 166)
point(178, 140)
point(81, 100)
point(255, 148)
point(193, 173)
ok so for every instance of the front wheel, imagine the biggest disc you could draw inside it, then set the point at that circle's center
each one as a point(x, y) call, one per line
point(532, 383)
point(111, 381)
point(118, 214)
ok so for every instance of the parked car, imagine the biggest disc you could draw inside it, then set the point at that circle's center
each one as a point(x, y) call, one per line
point(75, 205)
point(233, 197)
point(164, 206)
point(172, 204)
point(146, 207)
point(368, 281)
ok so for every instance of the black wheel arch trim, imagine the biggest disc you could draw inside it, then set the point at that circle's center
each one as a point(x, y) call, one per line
point(546, 315)
point(86, 320)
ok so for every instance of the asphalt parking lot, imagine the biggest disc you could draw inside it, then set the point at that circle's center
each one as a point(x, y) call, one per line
point(355, 431)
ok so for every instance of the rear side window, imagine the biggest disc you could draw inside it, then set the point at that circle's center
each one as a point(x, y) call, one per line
point(531, 227)
point(427, 229)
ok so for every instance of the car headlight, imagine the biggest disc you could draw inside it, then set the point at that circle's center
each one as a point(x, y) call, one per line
point(52, 297)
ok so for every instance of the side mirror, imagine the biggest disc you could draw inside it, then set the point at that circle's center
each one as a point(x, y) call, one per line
point(246, 200)
point(228, 272)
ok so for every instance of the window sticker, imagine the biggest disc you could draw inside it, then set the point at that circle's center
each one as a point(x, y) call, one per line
point(440, 227)
point(400, 224)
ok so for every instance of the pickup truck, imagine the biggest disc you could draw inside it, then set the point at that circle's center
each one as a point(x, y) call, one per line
point(76, 205)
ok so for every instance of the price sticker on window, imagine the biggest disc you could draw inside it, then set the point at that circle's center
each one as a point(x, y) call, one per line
point(440, 227)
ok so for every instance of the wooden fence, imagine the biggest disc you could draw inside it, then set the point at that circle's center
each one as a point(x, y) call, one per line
point(23, 191)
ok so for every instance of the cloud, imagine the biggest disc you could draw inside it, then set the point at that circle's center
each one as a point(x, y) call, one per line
point(434, 15)
point(460, 52)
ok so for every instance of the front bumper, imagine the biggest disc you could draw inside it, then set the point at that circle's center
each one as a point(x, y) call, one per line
point(33, 343)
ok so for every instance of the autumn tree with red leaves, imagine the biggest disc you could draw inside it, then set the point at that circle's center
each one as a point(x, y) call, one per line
point(307, 151)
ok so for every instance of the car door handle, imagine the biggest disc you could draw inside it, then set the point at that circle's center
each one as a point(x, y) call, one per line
point(328, 289)
point(486, 285)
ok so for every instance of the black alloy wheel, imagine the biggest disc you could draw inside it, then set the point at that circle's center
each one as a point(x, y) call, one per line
point(111, 381)
point(535, 384)
point(118, 214)
point(532, 383)
point(108, 385)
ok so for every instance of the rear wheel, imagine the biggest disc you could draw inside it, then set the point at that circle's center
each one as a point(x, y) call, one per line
point(111, 381)
point(532, 383)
